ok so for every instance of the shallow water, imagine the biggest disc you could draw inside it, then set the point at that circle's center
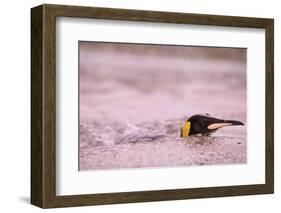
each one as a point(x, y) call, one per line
point(133, 104)
point(154, 145)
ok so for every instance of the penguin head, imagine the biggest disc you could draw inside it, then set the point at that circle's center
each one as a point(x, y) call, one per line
point(204, 124)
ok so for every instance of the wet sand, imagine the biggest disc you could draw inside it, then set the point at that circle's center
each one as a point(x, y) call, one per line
point(133, 102)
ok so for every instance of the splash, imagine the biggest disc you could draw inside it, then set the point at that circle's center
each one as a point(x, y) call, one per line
point(114, 132)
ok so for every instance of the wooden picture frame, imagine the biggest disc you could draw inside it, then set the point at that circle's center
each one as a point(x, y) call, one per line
point(43, 105)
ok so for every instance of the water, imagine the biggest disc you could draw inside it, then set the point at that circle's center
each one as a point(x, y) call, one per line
point(125, 145)
point(133, 102)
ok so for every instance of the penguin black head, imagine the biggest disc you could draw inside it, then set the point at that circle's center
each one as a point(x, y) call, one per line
point(204, 124)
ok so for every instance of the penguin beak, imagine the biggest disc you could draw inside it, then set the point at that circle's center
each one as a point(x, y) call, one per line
point(224, 123)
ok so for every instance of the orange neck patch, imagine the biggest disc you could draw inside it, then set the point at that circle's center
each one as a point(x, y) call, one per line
point(186, 129)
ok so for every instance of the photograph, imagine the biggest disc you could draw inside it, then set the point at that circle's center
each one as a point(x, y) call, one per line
point(140, 105)
point(161, 105)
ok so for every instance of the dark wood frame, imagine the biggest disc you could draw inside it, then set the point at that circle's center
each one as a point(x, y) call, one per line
point(43, 105)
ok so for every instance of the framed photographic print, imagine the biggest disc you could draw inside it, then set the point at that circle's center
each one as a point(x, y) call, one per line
point(136, 106)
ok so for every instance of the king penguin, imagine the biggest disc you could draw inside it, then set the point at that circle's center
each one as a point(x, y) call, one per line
point(204, 124)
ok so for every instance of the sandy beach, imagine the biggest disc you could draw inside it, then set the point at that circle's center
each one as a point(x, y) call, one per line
point(134, 100)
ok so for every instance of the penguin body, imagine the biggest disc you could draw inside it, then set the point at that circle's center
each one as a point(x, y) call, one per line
point(204, 124)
